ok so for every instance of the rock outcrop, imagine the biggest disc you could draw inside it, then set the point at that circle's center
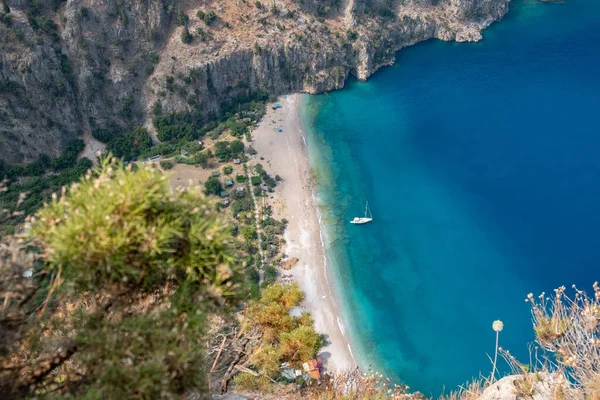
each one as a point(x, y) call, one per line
point(535, 386)
point(102, 66)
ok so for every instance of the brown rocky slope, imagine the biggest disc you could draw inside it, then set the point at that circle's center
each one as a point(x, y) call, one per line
point(69, 68)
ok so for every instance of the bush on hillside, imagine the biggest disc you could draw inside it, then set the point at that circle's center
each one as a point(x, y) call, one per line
point(166, 164)
point(111, 311)
point(284, 338)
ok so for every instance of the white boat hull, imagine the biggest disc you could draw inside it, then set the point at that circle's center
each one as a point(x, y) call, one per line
point(359, 221)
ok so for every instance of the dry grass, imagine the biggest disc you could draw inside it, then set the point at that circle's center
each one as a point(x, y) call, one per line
point(568, 330)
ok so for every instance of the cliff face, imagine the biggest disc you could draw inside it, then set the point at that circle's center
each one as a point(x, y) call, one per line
point(104, 65)
point(38, 101)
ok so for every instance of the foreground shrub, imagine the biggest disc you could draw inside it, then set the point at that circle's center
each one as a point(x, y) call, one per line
point(116, 306)
point(568, 327)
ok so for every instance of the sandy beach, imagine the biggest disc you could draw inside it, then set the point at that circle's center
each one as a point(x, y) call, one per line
point(285, 154)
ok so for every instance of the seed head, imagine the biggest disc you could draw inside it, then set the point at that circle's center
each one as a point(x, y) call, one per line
point(498, 325)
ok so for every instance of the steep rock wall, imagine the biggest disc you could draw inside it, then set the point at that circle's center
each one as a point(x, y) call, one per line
point(38, 101)
point(109, 62)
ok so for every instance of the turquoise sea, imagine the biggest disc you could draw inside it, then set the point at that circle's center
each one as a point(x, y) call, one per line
point(481, 163)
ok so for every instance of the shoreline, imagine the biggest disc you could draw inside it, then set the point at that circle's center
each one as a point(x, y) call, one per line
point(285, 153)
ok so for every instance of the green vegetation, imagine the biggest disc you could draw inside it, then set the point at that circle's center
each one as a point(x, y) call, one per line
point(241, 178)
point(283, 338)
point(270, 274)
point(113, 312)
point(198, 158)
point(165, 164)
point(227, 170)
point(242, 204)
point(181, 17)
point(130, 145)
point(127, 107)
point(186, 36)
point(19, 199)
point(209, 17)
point(213, 186)
point(226, 151)
point(352, 35)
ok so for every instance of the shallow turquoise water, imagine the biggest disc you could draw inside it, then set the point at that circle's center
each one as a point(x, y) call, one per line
point(480, 163)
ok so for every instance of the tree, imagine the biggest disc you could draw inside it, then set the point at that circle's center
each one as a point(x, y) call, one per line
point(130, 145)
point(236, 147)
point(241, 178)
point(213, 186)
point(270, 274)
point(255, 180)
point(125, 274)
point(209, 17)
point(222, 150)
point(181, 17)
point(301, 344)
point(283, 338)
point(186, 36)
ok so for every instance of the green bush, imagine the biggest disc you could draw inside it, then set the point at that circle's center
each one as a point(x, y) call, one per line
point(68, 158)
point(256, 180)
point(209, 17)
point(241, 178)
point(166, 164)
point(249, 233)
point(227, 170)
point(186, 36)
point(236, 147)
point(285, 338)
point(213, 186)
point(270, 274)
point(154, 351)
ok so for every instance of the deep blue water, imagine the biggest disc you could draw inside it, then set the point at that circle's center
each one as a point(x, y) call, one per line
point(481, 165)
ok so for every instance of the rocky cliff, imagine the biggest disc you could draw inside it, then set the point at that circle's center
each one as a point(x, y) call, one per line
point(72, 68)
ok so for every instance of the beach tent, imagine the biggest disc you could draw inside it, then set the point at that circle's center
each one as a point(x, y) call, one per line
point(279, 129)
point(277, 105)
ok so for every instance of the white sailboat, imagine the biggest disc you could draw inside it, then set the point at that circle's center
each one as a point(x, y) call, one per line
point(365, 219)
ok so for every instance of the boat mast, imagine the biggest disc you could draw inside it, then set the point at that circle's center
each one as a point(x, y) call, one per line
point(366, 209)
